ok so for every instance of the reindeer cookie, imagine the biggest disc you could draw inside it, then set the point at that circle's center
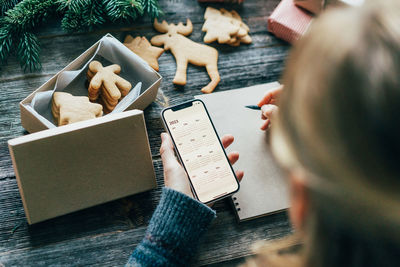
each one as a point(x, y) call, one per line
point(187, 51)
point(104, 81)
point(68, 109)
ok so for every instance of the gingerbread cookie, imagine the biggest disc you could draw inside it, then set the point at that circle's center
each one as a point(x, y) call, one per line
point(67, 109)
point(105, 82)
point(246, 39)
point(186, 51)
point(243, 33)
point(218, 27)
point(225, 26)
point(237, 20)
point(142, 47)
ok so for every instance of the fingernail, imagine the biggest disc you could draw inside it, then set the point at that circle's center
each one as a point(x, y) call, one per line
point(163, 136)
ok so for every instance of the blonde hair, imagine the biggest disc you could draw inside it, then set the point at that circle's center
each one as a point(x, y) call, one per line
point(339, 122)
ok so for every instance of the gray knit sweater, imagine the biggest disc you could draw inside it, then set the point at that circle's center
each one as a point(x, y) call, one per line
point(174, 231)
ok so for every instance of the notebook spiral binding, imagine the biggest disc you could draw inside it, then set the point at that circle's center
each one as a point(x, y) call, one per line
point(236, 204)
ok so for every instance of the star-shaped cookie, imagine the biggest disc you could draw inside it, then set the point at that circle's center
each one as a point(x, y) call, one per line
point(143, 48)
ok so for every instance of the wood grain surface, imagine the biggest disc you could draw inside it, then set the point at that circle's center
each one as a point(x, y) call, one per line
point(105, 235)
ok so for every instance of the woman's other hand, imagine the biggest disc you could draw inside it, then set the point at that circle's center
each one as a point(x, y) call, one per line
point(175, 176)
point(269, 106)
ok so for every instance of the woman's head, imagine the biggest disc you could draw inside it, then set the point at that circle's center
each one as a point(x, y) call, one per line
point(338, 134)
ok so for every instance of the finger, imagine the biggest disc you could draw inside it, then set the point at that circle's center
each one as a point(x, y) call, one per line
point(271, 95)
point(265, 125)
point(227, 140)
point(167, 152)
point(268, 110)
point(166, 142)
point(239, 175)
point(263, 117)
point(266, 99)
point(233, 157)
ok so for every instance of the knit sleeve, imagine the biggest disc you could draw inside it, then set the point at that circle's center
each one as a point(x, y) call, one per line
point(174, 231)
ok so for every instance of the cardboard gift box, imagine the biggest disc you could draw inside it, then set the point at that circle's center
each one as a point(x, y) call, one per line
point(68, 168)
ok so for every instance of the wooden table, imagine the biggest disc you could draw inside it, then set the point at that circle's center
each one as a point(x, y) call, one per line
point(105, 235)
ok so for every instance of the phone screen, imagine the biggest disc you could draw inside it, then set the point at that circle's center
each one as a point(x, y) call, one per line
point(200, 151)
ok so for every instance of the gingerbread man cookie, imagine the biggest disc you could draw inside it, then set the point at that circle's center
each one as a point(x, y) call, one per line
point(104, 81)
point(143, 48)
point(67, 109)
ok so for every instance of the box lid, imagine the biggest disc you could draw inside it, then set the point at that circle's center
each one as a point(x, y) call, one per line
point(76, 166)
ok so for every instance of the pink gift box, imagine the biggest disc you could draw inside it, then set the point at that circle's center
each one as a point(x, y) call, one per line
point(289, 22)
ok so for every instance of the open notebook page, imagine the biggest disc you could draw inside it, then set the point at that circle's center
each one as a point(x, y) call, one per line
point(263, 189)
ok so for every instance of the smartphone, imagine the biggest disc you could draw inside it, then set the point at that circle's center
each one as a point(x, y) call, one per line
point(200, 151)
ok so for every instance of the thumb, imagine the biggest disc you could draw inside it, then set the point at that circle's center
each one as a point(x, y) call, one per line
point(269, 110)
point(167, 152)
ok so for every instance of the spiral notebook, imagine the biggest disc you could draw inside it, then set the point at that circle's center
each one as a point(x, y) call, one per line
point(263, 190)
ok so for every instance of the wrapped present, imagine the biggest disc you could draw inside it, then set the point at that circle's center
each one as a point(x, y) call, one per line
point(288, 21)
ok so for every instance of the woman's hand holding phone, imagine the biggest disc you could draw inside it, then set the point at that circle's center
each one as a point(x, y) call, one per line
point(175, 176)
point(269, 106)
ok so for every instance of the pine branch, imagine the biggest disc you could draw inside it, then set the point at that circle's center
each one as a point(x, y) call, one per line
point(6, 42)
point(6, 5)
point(79, 15)
point(151, 8)
point(28, 52)
point(123, 9)
point(16, 26)
point(29, 13)
point(97, 15)
point(62, 5)
point(83, 15)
